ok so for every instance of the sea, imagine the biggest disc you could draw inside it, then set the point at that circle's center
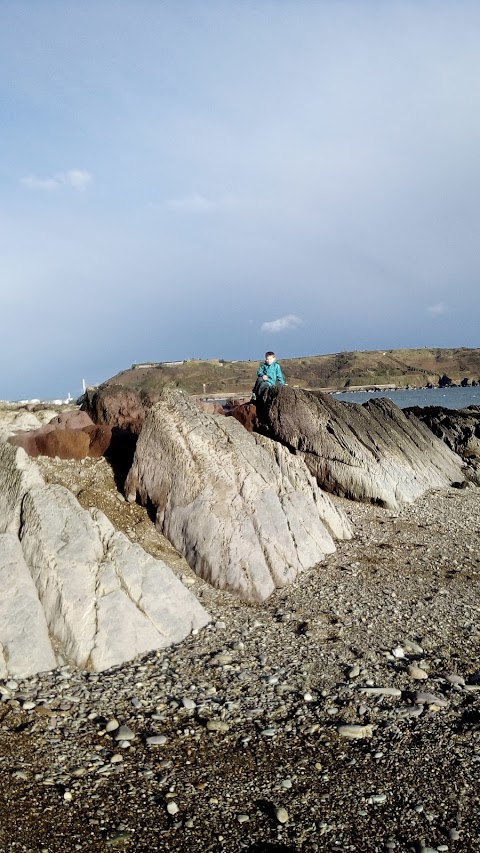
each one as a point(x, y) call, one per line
point(449, 398)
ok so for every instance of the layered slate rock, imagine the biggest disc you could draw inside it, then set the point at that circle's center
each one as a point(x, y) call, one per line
point(371, 453)
point(69, 580)
point(246, 517)
point(459, 429)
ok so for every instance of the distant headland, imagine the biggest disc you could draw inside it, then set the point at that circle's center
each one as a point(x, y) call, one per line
point(380, 369)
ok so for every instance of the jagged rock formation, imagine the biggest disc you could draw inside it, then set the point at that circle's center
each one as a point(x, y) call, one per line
point(371, 453)
point(115, 406)
point(70, 581)
point(459, 429)
point(246, 515)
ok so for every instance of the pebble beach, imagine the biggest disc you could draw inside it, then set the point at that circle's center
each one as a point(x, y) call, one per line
point(343, 714)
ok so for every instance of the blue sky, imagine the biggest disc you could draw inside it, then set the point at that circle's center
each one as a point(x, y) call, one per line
point(214, 179)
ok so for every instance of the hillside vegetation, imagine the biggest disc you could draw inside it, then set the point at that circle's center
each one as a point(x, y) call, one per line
point(399, 368)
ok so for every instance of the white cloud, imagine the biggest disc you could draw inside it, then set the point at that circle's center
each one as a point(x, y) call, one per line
point(438, 309)
point(194, 203)
point(290, 321)
point(77, 179)
point(34, 183)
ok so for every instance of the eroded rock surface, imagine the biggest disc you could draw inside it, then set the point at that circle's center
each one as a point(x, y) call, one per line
point(459, 429)
point(69, 580)
point(370, 453)
point(246, 516)
point(115, 406)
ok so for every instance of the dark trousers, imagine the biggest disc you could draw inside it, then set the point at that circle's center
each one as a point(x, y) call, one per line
point(259, 387)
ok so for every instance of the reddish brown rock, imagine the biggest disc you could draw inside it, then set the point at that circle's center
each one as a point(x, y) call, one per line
point(27, 440)
point(100, 437)
point(72, 420)
point(245, 414)
point(64, 443)
point(115, 406)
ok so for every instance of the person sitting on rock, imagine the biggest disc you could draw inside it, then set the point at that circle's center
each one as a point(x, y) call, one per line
point(269, 374)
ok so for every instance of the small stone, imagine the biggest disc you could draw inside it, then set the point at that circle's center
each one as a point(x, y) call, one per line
point(424, 698)
point(28, 705)
point(355, 732)
point(453, 834)
point(416, 672)
point(111, 726)
point(269, 732)
point(354, 672)
point(281, 814)
point(411, 646)
point(243, 818)
point(172, 807)
point(381, 691)
point(217, 726)
point(398, 652)
point(156, 740)
point(188, 703)
point(377, 798)
point(286, 783)
point(124, 733)
point(453, 678)
point(68, 796)
point(116, 759)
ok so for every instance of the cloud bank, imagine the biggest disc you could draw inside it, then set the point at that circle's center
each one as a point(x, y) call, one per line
point(77, 179)
point(290, 321)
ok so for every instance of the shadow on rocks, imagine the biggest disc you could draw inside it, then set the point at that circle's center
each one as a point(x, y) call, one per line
point(120, 454)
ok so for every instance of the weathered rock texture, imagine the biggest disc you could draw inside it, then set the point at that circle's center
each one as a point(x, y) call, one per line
point(245, 414)
point(246, 515)
point(459, 429)
point(371, 453)
point(115, 406)
point(70, 581)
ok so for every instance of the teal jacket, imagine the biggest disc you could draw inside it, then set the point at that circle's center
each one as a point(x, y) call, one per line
point(273, 373)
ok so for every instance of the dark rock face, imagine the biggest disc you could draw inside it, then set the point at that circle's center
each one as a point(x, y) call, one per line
point(459, 429)
point(115, 406)
point(246, 414)
point(371, 453)
point(100, 438)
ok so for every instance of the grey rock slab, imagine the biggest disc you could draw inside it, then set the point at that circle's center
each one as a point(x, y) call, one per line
point(372, 452)
point(18, 474)
point(106, 600)
point(243, 511)
point(25, 646)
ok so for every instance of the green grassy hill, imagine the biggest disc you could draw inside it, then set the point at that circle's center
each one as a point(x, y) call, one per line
point(413, 367)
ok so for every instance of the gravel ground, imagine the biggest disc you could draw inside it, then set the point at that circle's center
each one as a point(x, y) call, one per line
point(249, 752)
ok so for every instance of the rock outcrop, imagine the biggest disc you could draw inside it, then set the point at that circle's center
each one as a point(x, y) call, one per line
point(115, 406)
point(371, 453)
point(70, 581)
point(245, 414)
point(459, 429)
point(246, 515)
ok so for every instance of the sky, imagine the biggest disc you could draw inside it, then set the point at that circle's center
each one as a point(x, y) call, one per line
point(218, 178)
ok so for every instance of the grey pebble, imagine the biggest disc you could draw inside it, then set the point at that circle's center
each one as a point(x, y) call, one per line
point(123, 733)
